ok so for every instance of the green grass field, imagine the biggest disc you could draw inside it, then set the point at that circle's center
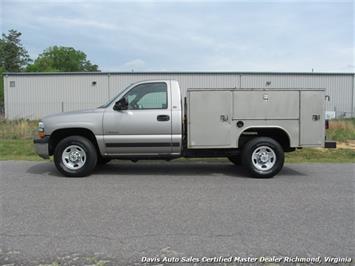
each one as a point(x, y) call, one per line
point(16, 140)
point(17, 149)
point(17, 129)
point(342, 130)
point(321, 155)
point(16, 143)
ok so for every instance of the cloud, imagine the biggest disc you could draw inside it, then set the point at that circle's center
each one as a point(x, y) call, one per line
point(77, 22)
point(192, 35)
point(136, 65)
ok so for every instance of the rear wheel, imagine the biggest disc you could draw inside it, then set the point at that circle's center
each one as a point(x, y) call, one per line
point(75, 156)
point(263, 157)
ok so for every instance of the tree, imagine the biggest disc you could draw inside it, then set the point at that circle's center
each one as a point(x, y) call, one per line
point(13, 56)
point(1, 87)
point(61, 59)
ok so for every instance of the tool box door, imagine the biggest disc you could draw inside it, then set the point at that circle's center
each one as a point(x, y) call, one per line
point(312, 118)
point(209, 119)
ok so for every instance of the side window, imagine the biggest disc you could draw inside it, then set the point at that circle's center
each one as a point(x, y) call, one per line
point(148, 96)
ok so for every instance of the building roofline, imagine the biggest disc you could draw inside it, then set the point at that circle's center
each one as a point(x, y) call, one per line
point(174, 73)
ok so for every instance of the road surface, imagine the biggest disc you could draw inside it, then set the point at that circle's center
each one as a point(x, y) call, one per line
point(127, 211)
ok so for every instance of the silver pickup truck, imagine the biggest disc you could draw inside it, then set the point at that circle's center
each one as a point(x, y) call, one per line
point(153, 120)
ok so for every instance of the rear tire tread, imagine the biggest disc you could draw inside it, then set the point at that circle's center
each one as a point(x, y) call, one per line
point(254, 143)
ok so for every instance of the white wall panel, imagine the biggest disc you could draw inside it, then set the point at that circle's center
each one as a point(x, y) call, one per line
point(36, 95)
point(120, 81)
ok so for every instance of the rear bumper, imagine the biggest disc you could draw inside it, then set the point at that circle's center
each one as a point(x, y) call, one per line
point(330, 144)
point(41, 147)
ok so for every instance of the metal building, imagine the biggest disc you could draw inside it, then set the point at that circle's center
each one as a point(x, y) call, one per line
point(33, 95)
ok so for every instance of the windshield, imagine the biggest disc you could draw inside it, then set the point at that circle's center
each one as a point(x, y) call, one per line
point(109, 102)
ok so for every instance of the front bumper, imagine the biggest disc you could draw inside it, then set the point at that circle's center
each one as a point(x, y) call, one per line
point(41, 147)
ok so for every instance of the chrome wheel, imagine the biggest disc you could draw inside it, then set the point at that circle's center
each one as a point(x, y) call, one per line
point(74, 157)
point(263, 158)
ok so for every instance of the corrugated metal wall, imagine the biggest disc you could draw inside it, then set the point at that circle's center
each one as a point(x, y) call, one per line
point(33, 96)
point(338, 87)
point(119, 82)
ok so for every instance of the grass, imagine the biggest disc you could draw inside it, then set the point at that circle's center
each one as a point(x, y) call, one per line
point(22, 149)
point(17, 129)
point(17, 149)
point(16, 143)
point(341, 129)
point(312, 155)
point(16, 139)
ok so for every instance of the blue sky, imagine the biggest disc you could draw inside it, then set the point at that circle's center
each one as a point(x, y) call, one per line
point(192, 35)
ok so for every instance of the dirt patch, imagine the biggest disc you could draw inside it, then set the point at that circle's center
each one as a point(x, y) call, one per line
point(349, 144)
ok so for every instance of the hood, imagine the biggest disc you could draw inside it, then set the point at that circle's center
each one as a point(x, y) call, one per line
point(89, 119)
point(73, 113)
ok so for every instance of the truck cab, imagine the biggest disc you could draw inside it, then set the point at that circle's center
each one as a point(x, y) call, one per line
point(145, 120)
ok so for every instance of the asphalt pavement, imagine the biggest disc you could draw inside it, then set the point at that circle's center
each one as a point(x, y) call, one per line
point(127, 211)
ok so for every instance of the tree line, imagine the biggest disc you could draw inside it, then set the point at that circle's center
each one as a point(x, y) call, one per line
point(15, 58)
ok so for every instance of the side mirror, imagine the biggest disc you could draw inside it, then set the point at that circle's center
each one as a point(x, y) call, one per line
point(122, 104)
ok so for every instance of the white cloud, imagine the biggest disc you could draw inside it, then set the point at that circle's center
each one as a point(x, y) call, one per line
point(193, 35)
point(136, 65)
point(77, 22)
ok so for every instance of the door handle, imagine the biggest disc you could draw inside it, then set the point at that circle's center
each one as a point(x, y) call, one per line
point(163, 118)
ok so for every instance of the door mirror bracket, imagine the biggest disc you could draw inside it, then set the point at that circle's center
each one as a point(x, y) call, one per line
point(120, 105)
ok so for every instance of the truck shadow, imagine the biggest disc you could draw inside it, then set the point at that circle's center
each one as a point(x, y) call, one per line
point(171, 168)
point(44, 168)
point(163, 168)
point(185, 169)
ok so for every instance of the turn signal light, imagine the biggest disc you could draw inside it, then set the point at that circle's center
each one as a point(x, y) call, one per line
point(41, 134)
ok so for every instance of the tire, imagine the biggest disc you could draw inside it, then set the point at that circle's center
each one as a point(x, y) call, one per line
point(263, 157)
point(236, 159)
point(75, 156)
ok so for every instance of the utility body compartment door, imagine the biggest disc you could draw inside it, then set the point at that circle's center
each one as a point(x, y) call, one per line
point(266, 104)
point(312, 131)
point(209, 119)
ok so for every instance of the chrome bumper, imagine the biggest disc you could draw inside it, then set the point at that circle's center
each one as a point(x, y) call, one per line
point(41, 147)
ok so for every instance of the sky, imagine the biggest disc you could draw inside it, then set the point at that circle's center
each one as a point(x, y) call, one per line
point(287, 35)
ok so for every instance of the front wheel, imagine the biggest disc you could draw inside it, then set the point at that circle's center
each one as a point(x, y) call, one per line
point(75, 156)
point(263, 157)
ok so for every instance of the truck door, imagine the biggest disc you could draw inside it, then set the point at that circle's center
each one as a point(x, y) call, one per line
point(145, 127)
